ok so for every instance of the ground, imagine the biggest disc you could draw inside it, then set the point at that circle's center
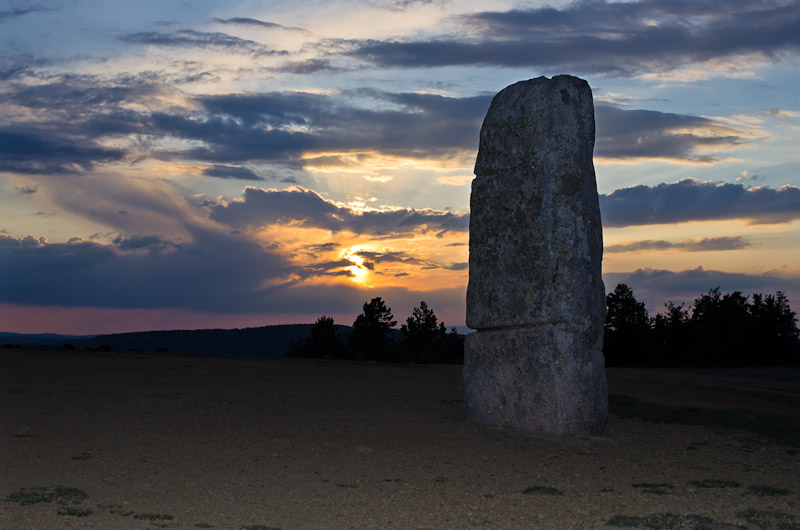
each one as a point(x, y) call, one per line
point(135, 441)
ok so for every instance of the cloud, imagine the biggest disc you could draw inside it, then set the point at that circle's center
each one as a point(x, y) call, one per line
point(26, 190)
point(12, 67)
point(213, 272)
point(80, 118)
point(320, 248)
point(77, 115)
point(403, 5)
point(781, 113)
point(692, 200)
point(189, 38)
point(231, 172)
point(308, 66)
point(6, 14)
point(705, 244)
point(230, 142)
point(76, 96)
point(417, 125)
point(325, 268)
point(389, 257)
point(457, 266)
point(606, 38)
point(38, 152)
point(151, 243)
point(373, 258)
point(306, 208)
point(655, 287)
point(650, 134)
point(245, 21)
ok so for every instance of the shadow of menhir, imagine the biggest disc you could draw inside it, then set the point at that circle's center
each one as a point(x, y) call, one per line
point(535, 291)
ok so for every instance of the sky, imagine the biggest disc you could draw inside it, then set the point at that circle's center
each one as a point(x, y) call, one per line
point(183, 165)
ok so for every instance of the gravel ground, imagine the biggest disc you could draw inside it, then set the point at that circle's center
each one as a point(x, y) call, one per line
point(136, 441)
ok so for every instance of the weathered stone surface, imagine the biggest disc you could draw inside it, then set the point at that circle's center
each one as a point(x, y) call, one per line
point(535, 234)
point(537, 379)
point(535, 293)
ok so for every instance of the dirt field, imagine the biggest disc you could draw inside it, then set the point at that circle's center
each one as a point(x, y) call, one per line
point(139, 441)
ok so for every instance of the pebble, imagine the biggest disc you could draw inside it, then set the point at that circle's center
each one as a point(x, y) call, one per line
point(25, 431)
point(364, 450)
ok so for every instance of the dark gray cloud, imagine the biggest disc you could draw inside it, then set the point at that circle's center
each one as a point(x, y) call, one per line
point(79, 95)
point(389, 257)
point(245, 21)
point(321, 248)
point(324, 268)
point(705, 244)
point(308, 66)
point(781, 113)
point(403, 5)
point(213, 272)
point(6, 14)
point(655, 287)
point(189, 38)
point(26, 190)
point(420, 125)
point(40, 152)
point(303, 207)
point(692, 200)
point(607, 38)
point(462, 266)
point(150, 243)
point(231, 172)
point(650, 134)
point(375, 258)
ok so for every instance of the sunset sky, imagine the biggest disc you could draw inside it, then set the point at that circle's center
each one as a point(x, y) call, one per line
point(228, 164)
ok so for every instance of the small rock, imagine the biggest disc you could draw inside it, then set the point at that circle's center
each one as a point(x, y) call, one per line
point(364, 450)
point(25, 431)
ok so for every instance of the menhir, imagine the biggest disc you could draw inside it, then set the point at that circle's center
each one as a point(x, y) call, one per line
point(535, 292)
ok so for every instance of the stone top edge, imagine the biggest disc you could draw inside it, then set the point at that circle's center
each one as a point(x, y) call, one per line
point(555, 79)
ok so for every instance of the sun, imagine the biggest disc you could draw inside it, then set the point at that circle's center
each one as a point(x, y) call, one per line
point(359, 270)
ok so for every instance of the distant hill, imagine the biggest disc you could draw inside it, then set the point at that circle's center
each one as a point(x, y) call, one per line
point(42, 339)
point(269, 341)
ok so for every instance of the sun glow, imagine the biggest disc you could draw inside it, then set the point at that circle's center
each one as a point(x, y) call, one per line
point(358, 267)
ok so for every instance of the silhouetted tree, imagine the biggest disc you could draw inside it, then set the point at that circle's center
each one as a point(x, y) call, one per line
point(721, 329)
point(670, 336)
point(370, 336)
point(774, 322)
point(323, 342)
point(627, 328)
point(452, 351)
point(427, 340)
point(421, 334)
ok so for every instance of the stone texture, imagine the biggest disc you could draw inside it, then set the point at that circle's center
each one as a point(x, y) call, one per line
point(537, 379)
point(536, 241)
point(535, 291)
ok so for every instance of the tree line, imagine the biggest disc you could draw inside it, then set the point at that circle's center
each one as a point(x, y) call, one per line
point(720, 330)
point(422, 339)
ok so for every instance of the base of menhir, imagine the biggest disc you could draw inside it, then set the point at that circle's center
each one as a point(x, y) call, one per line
point(535, 379)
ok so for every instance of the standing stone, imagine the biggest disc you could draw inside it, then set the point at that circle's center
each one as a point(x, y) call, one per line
point(535, 292)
